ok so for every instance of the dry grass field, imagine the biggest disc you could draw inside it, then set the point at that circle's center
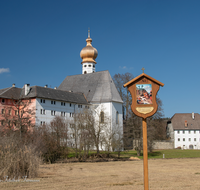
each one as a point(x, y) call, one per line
point(164, 174)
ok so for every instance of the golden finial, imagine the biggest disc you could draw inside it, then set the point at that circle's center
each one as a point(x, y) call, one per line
point(143, 69)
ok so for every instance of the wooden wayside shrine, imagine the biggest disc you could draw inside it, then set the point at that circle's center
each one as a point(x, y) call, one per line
point(143, 90)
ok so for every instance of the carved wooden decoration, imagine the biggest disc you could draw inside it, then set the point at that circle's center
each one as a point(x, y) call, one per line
point(143, 90)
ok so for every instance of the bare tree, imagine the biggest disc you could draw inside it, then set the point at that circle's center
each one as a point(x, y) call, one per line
point(120, 80)
point(117, 140)
point(53, 139)
point(18, 116)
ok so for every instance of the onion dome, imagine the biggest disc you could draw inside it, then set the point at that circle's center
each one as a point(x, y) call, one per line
point(88, 54)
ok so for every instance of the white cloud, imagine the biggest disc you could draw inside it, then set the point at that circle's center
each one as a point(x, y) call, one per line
point(125, 68)
point(4, 70)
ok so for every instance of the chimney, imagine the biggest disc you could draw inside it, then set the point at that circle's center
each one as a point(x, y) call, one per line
point(27, 89)
point(186, 124)
point(13, 85)
point(193, 115)
point(46, 86)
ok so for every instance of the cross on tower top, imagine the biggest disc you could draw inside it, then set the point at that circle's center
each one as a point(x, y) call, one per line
point(143, 69)
point(88, 32)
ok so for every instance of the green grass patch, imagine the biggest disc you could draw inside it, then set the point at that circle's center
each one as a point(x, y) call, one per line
point(173, 153)
point(156, 154)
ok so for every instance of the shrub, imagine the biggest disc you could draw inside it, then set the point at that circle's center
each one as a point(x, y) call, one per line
point(17, 160)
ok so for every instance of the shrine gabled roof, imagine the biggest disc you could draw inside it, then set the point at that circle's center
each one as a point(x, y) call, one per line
point(143, 75)
point(97, 87)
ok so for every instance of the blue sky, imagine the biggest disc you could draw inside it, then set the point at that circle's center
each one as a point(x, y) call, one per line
point(41, 40)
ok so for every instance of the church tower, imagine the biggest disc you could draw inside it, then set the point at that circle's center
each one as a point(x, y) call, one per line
point(88, 55)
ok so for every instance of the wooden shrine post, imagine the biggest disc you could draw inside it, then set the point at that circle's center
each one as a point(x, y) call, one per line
point(143, 90)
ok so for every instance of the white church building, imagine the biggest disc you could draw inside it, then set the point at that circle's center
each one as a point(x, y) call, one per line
point(76, 92)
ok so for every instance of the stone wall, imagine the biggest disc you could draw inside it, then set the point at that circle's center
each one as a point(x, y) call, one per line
point(163, 144)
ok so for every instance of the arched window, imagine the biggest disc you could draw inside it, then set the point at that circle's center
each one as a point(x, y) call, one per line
point(85, 65)
point(89, 65)
point(85, 72)
point(117, 117)
point(102, 117)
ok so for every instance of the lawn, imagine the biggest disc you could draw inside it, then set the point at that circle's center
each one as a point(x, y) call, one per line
point(156, 154)
point(173, 153)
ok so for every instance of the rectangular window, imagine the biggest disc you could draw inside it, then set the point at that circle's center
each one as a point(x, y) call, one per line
point(42, 122)
point(178, 131)
point(42, 111)
point(53, 112)
point(117, 117)
point(16, 112)
point(2, 122)
point(101, 117)
point(189, 131)
point(62, 114)
point(189, 139)
point(71, 114)
point(62, 103)
point(70, 105)
point(79, 106)
point(3, 100)
point(183, 132)
point(41, 102)
point(194, 132)
point(183, 139)
point(9, 112)
point(195, 139)
point(3, 111)
point(53, 102)
point(72, 125)
point(178, 139)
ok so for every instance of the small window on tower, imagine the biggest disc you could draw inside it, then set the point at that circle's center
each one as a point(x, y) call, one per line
point(89, 65)
point(85, 65)
point(85, 72)
point(93, 65)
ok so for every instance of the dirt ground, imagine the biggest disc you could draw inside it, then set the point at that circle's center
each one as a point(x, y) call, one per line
point(164, 174)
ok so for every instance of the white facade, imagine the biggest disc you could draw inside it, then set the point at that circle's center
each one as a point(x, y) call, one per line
point(46, 110)
point(187, 139)
point(88, 68)
point(113, 111)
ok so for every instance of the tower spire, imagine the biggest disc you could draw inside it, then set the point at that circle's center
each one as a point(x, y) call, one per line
point(88, 32)
point(88, 55)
